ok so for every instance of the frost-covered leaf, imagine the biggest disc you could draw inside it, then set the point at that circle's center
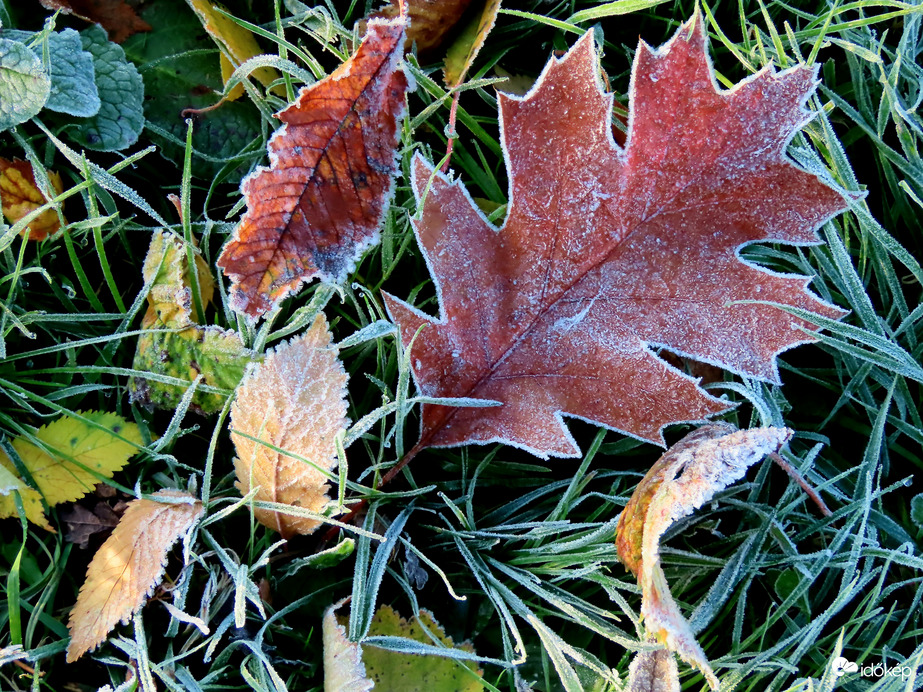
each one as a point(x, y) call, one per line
point(117, 17)
point(177, 346)
point(653, 671)
point(24, 85)
point(465, 48)
point(128, 566)
point(237, 44)
point(350, 667)
point(73, 87)
point(78, 453)
point(120, 117)
point(916, 510)
point(608, 253)
point(709, 459)
point(332, 165)
point(20, 196)
point(295, 401)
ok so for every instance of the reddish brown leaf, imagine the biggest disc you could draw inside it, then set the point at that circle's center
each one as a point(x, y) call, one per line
point(607, 252)
point(430, 20)
point(82, 523)
point(319, 205)
point(116, 16)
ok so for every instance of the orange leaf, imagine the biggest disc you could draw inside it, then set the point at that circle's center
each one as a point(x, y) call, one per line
point(128, 566)
point(608, 253)
point(20, 196)
point(117, 17)
point(320, 204)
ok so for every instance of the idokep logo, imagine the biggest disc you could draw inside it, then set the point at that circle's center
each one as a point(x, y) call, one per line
point(841, 666)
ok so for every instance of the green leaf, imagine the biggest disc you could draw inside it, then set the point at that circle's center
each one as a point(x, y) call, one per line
point(73, 87)
point(916, 510)
point(24, 86)
point(121, 91)
point(180, 72)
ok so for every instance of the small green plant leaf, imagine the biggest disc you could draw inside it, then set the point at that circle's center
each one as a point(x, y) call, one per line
point(120, 118)
point(24, 85)
point(73, 86)
point(916, 510)
point(75, 454)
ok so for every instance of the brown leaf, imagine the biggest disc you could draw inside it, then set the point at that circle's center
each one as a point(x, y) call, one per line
point(21, 196)
point(82, 523)
point(430, 20)
point(607, 253)
point(710, 459)
point(296, 401)
point(653, 671)
point(320, 204)
point(128, 566)
point(117, 17)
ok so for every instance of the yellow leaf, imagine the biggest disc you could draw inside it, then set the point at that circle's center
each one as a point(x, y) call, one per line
point(31, 500)
point(296, 401)
point(343, 667)
point(21, 195)
point(227, 69)
point(710, 459)
point(461, 54)
point(166, 269)
point(128, 566)
point(237, 44)
point(77, 455)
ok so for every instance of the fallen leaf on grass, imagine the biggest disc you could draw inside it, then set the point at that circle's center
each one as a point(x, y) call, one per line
point(653, 671)
point(79, 453)
point(430, 21)
point(351, 667)
point(710, 459)
point(117, 17)
point(237, 45)
point(607, 252)
point(177, 346)
point(20, 196)
point(128, 566)
point(82, 523)
point(465, 49)
point(294, 400)
point(320, 204)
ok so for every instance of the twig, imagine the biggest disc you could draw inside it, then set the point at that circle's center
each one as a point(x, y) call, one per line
point(799, 479)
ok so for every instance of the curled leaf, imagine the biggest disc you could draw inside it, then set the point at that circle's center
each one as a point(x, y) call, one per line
point(20, 196)
point(653, 671)
point(128, 566)
point(710, 459)
point(295, 401)
point(431, 21)
point(320, 204)
point(465, 49)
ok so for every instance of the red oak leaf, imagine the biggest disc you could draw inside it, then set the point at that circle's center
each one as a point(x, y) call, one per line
point(319, 205)
point(609, 252)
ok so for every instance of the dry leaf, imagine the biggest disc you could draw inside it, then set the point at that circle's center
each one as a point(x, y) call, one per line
point(75, 448)
point(320, 204)
point(710, 459)
point(117, 17)
point(82, 523)
point(20, 195)
point(343, 667)
point(430, 20)
point(653, 671)
point(128, 566)
point(296, 401)
point(465, 49)
point(237, 45)
point(607, 252)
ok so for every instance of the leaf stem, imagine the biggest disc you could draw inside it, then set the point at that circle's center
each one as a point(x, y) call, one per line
point(799, 479)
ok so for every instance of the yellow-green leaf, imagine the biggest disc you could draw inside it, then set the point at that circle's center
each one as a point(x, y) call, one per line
point(73, 456)
point(464, 50)
point(166, 269)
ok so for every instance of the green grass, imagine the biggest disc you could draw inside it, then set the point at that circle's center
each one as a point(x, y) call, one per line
point(519, 553)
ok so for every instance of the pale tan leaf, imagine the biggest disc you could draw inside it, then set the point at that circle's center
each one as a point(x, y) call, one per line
point(653, 671)
point(710, 459)
point(128, 566)
point(343, 667)
point(294, 401)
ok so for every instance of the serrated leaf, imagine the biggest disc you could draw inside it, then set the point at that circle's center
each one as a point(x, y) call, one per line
point(609, 253)
point(217, 355)
point(294, 400)
point(653, 671)
point(350, 667)
point(710, 459)
point(73, 87)
point(120, 117)
point(78, 455)
point(237, 45)
point(319, 205)
point(20, 196)
point(117, 17)
point(128, 566)
point(465, 48)
point(24, 85)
